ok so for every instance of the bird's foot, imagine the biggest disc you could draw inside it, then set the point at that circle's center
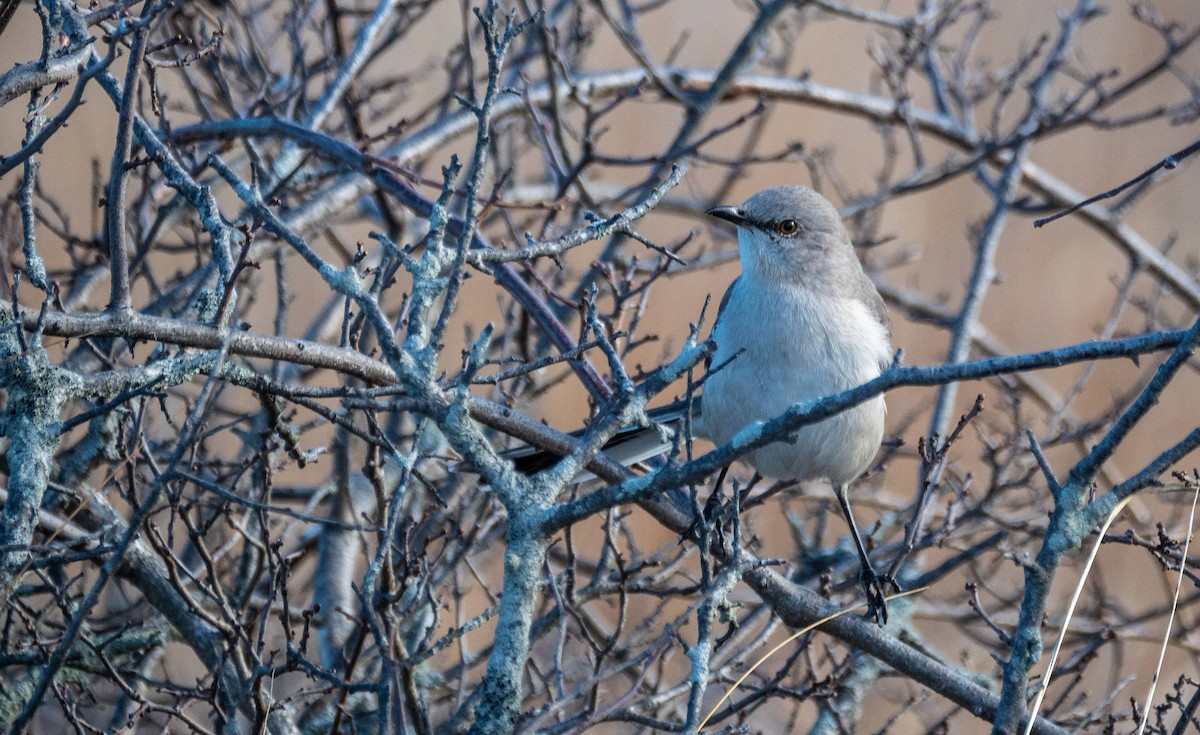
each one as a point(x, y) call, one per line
point(710, 511)
point(876, 589)
point(708, 516)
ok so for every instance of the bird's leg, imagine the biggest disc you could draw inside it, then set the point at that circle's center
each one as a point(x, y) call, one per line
point(872, 583)
point(745, 493)
point(710, 506)
point(714, 499)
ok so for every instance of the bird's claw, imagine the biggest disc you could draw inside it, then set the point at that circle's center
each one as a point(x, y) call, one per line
point(876, 589)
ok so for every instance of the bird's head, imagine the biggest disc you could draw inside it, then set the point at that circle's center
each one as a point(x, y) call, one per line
point(791, 234)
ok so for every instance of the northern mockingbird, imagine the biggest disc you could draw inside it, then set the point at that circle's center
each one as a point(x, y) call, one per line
point(802, 322)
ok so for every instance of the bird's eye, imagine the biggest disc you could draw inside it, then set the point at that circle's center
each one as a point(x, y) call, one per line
point(787, 227)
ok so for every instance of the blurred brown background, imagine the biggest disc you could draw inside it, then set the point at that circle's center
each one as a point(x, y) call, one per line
point(1057, 284)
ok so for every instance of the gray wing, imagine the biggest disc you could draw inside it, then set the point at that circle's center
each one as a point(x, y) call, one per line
point(878, 308)
point(725, 299)
point(721, 310)
point(865, 291)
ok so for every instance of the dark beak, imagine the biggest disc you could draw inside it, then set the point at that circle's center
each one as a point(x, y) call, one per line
point(730, 214)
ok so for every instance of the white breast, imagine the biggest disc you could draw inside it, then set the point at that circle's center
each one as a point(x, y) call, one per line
point(789, 344)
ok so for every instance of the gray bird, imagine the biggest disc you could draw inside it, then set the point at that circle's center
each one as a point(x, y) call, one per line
point(802, 322)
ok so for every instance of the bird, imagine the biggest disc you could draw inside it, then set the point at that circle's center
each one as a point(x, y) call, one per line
point(803, 321)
